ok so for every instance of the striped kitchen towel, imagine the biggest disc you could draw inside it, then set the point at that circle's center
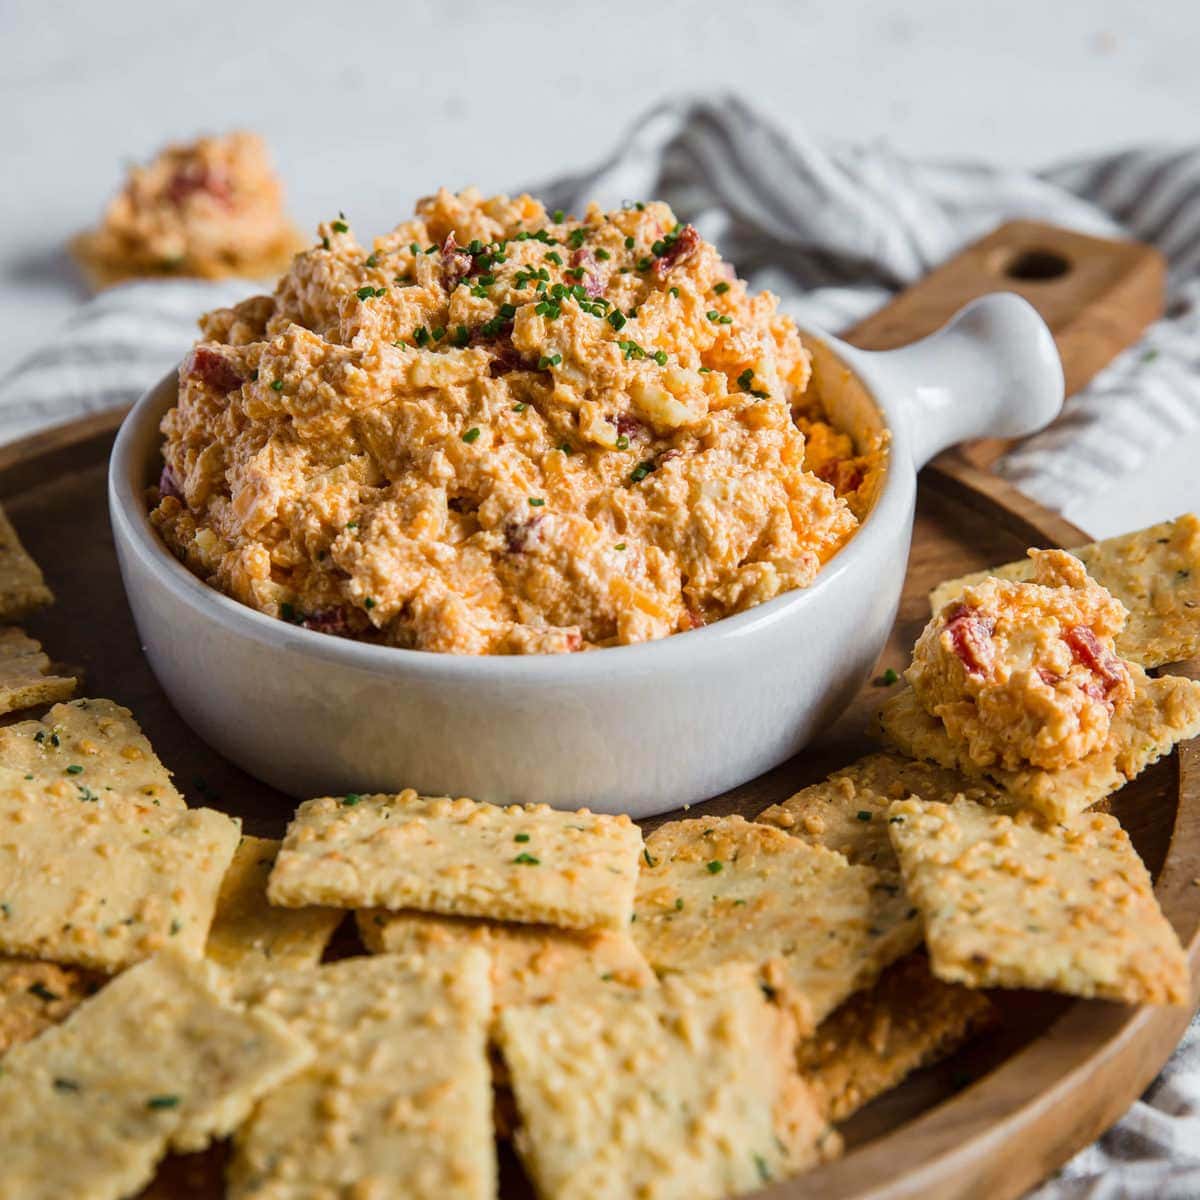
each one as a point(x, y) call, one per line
point(835, 230)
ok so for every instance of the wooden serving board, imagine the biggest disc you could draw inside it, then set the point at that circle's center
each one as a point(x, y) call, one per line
point(993, 1120)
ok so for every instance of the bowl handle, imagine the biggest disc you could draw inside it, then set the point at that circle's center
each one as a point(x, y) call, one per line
point(992, 371)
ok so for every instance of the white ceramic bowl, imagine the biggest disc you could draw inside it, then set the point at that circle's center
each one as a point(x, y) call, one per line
point(638, 729)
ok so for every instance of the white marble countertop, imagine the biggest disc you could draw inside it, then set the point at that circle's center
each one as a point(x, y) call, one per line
point(371, 105)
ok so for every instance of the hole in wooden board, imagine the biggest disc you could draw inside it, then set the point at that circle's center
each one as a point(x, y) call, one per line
point(1037, 265)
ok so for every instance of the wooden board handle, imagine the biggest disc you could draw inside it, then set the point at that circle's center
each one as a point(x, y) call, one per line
point(1097, 295)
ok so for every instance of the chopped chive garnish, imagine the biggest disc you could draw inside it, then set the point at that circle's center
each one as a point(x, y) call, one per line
point(521, 837)
point(536, 502)
point(520, 407)
point(616, 319)
point(369, 602)
point(721, 288)
point(715, 868)
point(629, 243)
point(340, 227)
point(621, 546)
point(527, 860)
point(74, 769)
point(277, 385)
point(660, 357)
point(622, 442)
point(471, 435)
point(863, 815)
point(350, 799)
point(160, 1102)
point(603, 255)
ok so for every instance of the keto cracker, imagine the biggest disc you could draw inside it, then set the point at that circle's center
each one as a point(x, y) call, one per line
point(717, 891)
point(672, 1093)
point(908, 1020)
point(22, 588)
point(848, 811)
point(527, 863)
point(530, 964)
point(35, 995)
point(158, 1057)
point(398, 1101)
point(248, 934)
point(1008, 901)
point(1154, 572)
point(26, 676)
point(90, 743)
point(1163, 711)
point(102, 880)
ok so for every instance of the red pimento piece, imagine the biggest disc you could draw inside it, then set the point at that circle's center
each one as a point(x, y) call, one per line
point(212, 368)
point(629, 426)
point(1086, 648)
point(971, 638)
point(681, 249)
point(1048, 677)
point(329, 620)
point(518, 535)
point(195, 177)
point(168, 484)
point(593, 279)
point(456, 264)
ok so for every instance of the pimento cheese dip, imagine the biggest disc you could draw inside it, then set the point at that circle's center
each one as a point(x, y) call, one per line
point(1026, 673)
point(209, 208)
point(501, 431)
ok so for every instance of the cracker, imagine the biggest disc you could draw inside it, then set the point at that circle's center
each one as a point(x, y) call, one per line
point(526, 863)
point(1154, 572)
point(248, 934)
point(35, 995)
point(105, 881)
point(717, 891)
point(848, 811)
point(94, 743)
point(531, 964)
point(25, 674)
point(1163, 711)
point(158, 1057)
point(1011, 902)
point(908, 1020)
point(22, 588)
point(673, 1092)
point(398, 1101)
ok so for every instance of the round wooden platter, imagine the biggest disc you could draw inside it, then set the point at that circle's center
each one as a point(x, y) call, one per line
point(991, 1121)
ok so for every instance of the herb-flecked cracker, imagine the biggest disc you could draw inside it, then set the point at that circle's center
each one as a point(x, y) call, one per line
point(848, 811)
point(158, 1057)
point(248, 934)
point(675, 1092)
point(92, 744)
point(398, 1101)
point(26, 673)
point(1154, 572)
point(530, 964)
point(108, 880)
point(35, 995)
point(715, 891)
point(1163, 711)
point(22, 588)
point(908, 1020)
point(1009, 902)
point(459, 857)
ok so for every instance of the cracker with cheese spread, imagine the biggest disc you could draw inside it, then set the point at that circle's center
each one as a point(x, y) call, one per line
point(1154, 572)
point(527, 863)
point(398, 1100)
point(27, 675)
point(1161, 712)
point(159, 1057)
point(22, 587)
point(721, 890)
point(35, 995)
point(90, 743)
point(848, 811)
point(1008, 901)
point(102, 880)
point(248, 934)
point(908, 1020)
point(531, 964)
point(672, 1092)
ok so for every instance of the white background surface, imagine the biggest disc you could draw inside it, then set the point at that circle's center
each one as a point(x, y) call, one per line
point(368, 106)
